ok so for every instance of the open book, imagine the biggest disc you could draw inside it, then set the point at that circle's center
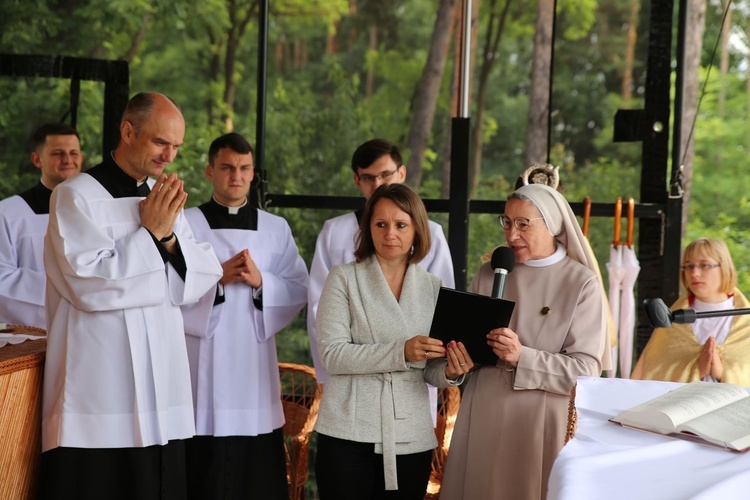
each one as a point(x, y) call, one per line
point(709, 412)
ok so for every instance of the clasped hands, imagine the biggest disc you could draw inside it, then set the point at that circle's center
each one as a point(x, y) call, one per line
point(159, 210)
point(709, 361)
point(505, 345)
point(423, 347)
point(241, 267)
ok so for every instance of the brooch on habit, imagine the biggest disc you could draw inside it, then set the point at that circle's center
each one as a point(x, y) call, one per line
point(544, 311)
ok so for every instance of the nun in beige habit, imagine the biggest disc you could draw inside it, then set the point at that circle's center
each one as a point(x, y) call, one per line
point(513, 415)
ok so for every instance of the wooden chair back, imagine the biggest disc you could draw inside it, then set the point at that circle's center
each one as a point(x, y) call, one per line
point(300, 397)
point(449, 400)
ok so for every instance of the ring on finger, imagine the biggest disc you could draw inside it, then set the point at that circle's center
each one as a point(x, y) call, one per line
point(462, 364)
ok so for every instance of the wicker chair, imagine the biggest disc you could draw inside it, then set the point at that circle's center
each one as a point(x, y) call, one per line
point(449, 399)
point(572, 416)
point(300, 396)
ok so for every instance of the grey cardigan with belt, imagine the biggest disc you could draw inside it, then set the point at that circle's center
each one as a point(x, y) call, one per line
point(373, 394)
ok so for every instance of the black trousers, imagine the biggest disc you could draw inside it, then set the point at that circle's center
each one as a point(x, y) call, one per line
point(351, 470)
point(237, 467)
point(154, 472)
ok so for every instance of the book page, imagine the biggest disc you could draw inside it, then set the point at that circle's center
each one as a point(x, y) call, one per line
point(728, 426)
point(668, 411)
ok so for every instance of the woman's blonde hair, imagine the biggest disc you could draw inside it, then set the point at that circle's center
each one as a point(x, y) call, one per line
point(717, 250)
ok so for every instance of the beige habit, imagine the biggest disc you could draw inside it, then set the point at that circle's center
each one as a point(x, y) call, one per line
point(512, 423)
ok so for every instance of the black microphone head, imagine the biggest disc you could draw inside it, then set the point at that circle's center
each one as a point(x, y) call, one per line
point(503, 258)
point(658, 313)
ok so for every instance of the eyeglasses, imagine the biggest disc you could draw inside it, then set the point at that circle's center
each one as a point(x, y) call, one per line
point(383, 176)
point(702, 266)
point(522, 223)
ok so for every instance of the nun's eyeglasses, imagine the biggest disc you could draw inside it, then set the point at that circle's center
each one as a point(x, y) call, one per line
point(522, 223)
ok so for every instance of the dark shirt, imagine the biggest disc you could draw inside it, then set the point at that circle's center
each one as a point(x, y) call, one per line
point(218, 216)
point(38, 198)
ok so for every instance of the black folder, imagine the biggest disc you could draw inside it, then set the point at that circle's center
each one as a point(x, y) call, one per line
point(468, 317)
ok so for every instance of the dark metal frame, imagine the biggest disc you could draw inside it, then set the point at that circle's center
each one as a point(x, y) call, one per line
point(114, 74)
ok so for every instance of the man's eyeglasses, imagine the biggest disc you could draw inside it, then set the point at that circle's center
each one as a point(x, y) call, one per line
point(383, 176)
point(702, 266)
point(522, 223)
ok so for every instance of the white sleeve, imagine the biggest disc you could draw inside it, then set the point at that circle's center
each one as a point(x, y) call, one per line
point(439, 262)
point(319, 269)
point(95, 272)
point(21, 287)
point(284, 289)
point(203, 267)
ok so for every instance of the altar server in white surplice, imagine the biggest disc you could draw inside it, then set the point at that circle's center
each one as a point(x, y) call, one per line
point(23, 224)
point(117, 403)
point(374, 163)
point(238, 451)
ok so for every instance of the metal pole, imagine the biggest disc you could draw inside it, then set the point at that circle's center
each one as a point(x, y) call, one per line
point(465, 84)
point(458, 219)
point(679, 88)
point(260, 111)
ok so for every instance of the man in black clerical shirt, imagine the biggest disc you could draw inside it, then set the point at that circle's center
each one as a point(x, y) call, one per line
point(120, 261)
point(23, 223)
point(238, 450)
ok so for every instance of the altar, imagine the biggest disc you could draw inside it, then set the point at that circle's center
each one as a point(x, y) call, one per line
point(21, 374)
point(605, 460)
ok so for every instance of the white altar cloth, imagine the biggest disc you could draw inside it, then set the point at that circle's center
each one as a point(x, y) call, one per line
point(607, 461)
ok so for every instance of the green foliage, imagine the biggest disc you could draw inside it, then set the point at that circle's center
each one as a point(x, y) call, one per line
point(318, 108)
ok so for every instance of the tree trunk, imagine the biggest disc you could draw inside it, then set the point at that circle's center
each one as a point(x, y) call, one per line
point(537, 123)
point(627, 73)
point(214, 69)
point(724, 64)
point(693, 48)
point(425, 98)
point(373, 46)
point(135, 45)
point(239, 18)
point(495, 29)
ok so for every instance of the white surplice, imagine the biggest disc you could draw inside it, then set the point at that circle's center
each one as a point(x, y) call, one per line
point(116, 372)
point(335, 245)
point(231, 346)
point(22, 278)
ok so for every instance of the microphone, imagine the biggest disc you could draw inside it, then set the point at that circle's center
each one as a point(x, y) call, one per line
point(503, 260)
point(660, 316)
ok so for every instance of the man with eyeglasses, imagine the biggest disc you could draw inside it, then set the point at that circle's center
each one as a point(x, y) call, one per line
point(374, 163)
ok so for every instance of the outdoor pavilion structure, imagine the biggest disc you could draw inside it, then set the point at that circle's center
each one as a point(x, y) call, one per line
point(661, 204)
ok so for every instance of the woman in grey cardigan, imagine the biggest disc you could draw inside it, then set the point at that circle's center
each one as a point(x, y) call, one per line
point(375, 429)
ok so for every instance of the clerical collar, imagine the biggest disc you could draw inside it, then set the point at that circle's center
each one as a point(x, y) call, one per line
point(220, 216)
point(230, 210)
point(37, 198)
point(556, 257)
point(114, 179)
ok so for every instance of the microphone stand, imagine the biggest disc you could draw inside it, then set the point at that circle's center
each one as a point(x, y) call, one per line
point(659, 314)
